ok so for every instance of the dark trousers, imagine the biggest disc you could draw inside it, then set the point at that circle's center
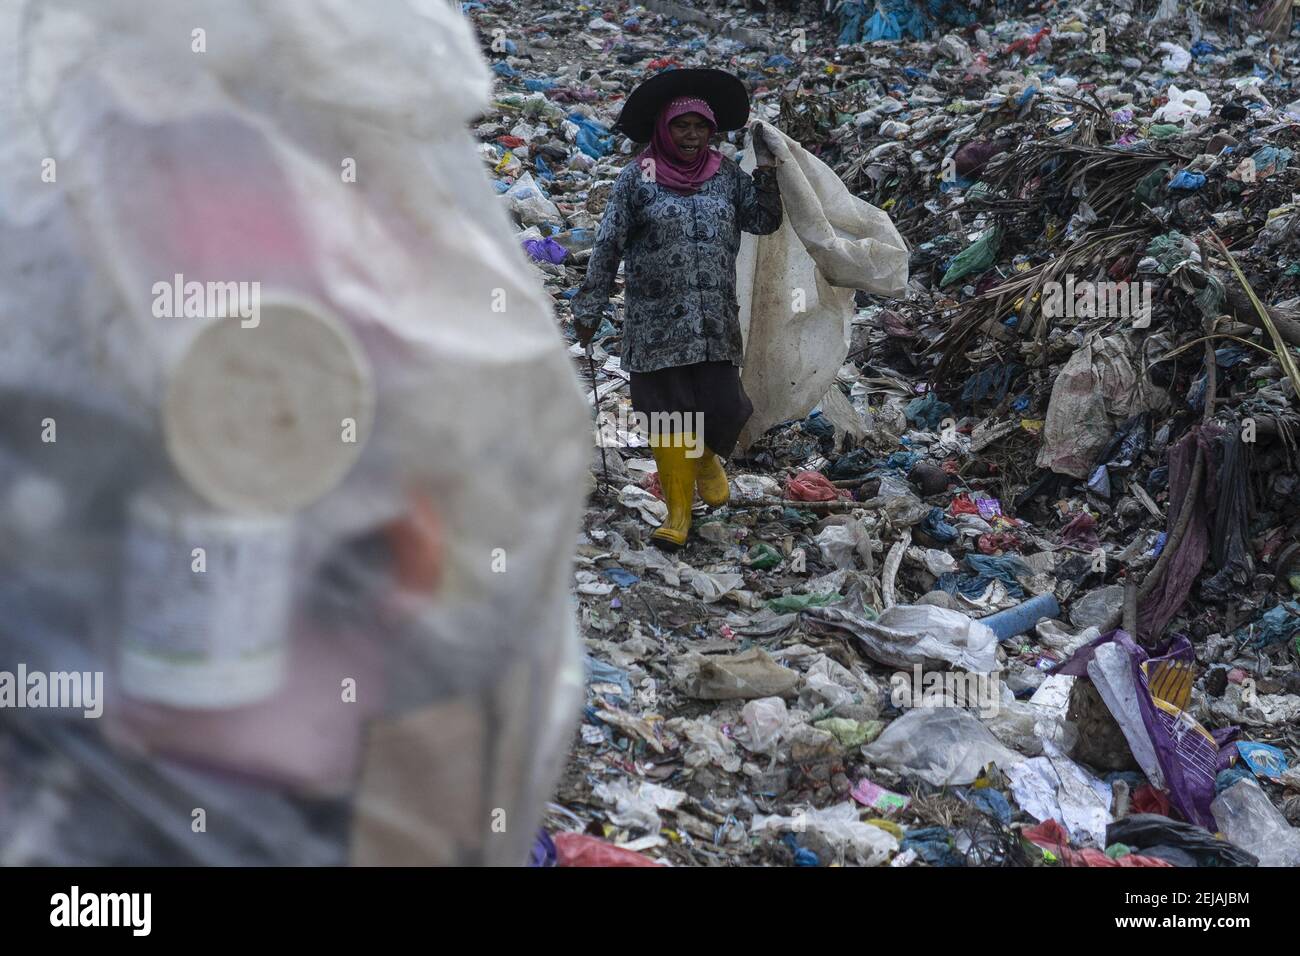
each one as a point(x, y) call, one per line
point(709, 390)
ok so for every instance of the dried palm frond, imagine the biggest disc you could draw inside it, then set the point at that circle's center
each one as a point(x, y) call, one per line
point(1275, 19)
point(1065, 173)
point(1081, 258)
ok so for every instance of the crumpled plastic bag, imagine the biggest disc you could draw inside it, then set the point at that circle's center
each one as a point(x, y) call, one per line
point(1247, 817)
point(908, 634)
point(708, 744)
point(529, 205)
point(748, 675)
point(637, 803)
point(829, 244)
point(1184, 106)
point(652, 559)
point(652, 510)
point(1099, 387)
point(842, 545)
point(839, 826)
point(828, 684)
point(1176, 59)
point(1055, 787)
point(812, 486)
point(712, 586)
point(935, 561)
point(582, 849)
point(941, 745)
point(753, 487)
point(975, 258)
point(765, 722)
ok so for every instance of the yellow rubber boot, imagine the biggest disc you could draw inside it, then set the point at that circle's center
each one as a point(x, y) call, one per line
point(677, 479)
point(711, 480)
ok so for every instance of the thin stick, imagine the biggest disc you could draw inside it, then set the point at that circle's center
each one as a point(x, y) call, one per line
point(595, 401)
point(845, 504)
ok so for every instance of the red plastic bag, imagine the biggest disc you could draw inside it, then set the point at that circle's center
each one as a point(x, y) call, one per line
point(812, 486)
point(651, 484)
point(1028, 44)
point(1081, 531)
point(1050, 835)
point(579, 849)
point(999, 542)
point(1147, 799)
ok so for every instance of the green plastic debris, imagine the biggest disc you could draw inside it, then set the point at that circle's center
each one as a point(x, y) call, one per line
point(1269, 160)
point(763, 557)
point(1163, 130)
point(1210, 299)
point(851, 733)
point(796, 516)
point(801, 602)
point(1168, 250)
point(976, 257)
point(1117, 850)
point(1150, 185)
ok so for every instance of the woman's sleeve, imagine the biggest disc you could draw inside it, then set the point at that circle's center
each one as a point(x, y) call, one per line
point(759, 201)
point(611, 238)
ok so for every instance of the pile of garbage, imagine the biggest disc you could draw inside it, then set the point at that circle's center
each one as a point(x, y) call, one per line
point(1024, 587)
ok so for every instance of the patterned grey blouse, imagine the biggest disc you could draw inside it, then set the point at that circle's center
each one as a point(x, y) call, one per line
point(679, 268)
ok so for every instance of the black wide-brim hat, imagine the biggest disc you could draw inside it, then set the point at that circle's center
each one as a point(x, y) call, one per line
point(723, 91)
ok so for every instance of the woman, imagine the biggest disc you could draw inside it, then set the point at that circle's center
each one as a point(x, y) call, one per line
point(675, 217)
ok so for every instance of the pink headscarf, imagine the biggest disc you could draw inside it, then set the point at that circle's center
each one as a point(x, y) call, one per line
point(672, 170)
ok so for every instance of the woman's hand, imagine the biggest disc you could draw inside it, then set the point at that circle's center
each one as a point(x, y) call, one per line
point(763, 155)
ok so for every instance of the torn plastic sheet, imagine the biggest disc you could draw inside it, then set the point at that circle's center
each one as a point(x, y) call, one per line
point(637, 804)
point(1247, 817)
point(1055, 787)
point(1274, 626)
point(1099, 385)
point(909, 634)
point(941, 745)
point(838, 825)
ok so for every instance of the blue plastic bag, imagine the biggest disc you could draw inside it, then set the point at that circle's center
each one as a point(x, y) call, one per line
point(1186, 180)
point(594, 138)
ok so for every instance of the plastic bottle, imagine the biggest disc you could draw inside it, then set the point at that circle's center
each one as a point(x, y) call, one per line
point(1249, 820)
